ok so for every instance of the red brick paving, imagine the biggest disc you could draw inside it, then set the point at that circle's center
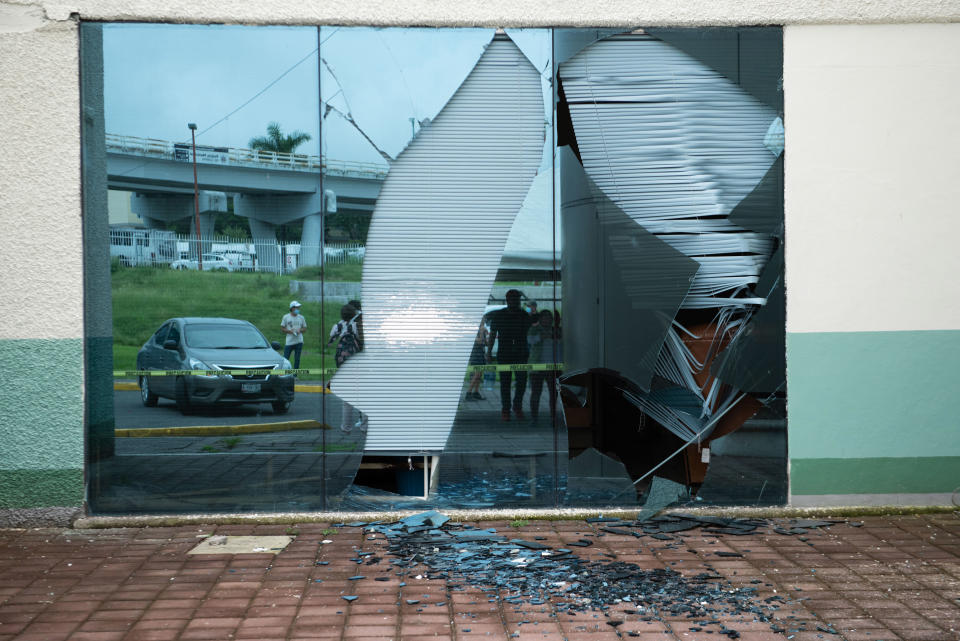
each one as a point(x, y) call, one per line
point(894, 578)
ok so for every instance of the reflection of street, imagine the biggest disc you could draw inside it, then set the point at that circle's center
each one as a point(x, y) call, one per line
point(215, 470)
point(129, 412)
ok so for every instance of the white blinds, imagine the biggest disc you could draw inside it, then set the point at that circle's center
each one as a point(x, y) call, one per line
point(438, 232)
point(676, 146)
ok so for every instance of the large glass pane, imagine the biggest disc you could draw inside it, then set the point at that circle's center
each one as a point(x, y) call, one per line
point(210, 156)
point(437, 150)
point(670, 164)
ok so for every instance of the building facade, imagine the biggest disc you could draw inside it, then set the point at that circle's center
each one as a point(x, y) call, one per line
point(869, 108)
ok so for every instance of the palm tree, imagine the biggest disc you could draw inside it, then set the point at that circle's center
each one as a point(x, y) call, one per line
point(275, 140)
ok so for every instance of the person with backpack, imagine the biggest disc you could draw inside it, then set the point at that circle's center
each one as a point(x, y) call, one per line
point(348, 333)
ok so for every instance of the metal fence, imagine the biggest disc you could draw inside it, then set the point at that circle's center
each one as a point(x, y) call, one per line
point(137, 247)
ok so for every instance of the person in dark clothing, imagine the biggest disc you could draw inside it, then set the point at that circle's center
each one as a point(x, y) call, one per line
point(508, 328)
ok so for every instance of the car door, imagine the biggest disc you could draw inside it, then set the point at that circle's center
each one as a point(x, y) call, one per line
point(170, 359)
point(150, 356)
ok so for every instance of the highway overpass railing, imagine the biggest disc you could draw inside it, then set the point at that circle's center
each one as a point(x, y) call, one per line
point(208, 154)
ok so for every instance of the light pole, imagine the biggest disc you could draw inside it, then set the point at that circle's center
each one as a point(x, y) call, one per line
point(196, 196)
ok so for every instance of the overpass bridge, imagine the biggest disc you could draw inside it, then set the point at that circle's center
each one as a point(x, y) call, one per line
point(268, 188)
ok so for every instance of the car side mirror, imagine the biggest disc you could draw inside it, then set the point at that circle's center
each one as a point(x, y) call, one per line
point(275, 345)
point(170, 344)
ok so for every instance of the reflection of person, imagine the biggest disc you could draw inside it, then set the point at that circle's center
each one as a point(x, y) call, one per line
point(544, 348)
point(508, 328)
point(292, 325)
point(477, 358)
point(348, 332)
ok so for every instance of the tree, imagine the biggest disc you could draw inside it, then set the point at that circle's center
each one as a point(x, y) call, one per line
point(277, 141)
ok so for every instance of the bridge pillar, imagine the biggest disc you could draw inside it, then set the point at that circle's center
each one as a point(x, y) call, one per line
point(265, 240)
point(311, 239)
point(277, 209)
point(207, 220)
point(157, 208)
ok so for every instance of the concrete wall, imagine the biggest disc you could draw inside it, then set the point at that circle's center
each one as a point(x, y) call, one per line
point(872, 302)
point(41, 262)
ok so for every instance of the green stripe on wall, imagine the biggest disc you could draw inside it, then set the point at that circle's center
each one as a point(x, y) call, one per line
point(41, 488)
point(907, 475)
point(873, 395)
point(41, 404)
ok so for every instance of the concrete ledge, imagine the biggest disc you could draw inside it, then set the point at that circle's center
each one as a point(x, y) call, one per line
point(39, 517)
point(96, 522)
point(944, 499)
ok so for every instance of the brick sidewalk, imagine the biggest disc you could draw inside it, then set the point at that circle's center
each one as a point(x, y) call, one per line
point(895, 577)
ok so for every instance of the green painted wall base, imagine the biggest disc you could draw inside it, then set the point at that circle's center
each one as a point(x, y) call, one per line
point(908, 475)
point(41, 488)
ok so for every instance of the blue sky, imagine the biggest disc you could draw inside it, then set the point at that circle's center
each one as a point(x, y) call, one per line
point(157, 78)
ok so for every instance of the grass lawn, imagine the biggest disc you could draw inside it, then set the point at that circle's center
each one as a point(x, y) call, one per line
point(144, 297)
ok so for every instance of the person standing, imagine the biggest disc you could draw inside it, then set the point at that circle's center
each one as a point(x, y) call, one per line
point(544, 349)
point(477, 357)
point(508, 329)
point(293, 325)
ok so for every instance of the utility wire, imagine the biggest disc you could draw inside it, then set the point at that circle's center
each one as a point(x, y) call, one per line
point(262, 91)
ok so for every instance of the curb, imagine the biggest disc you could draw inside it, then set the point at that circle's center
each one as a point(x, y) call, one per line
point(571, 514)
point(220, 430)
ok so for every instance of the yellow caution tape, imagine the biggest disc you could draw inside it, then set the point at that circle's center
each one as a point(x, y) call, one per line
point(517, 367)
point(131, 386)
point(136, 373)
point(508, 367)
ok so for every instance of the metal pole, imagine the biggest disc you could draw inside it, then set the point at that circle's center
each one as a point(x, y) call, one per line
point(196, 197)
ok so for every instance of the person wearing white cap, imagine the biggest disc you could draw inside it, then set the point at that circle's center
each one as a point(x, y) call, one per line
point(293, 325)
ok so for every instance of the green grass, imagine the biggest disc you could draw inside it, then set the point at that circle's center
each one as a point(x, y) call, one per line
point(231, 442)
point(344, 272)
point(144, 297)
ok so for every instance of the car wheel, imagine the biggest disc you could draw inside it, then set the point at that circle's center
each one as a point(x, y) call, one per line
point(281, 407)
point(182, 398)
point(146, 395)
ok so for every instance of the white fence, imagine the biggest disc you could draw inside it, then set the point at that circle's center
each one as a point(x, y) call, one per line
point(137, 247)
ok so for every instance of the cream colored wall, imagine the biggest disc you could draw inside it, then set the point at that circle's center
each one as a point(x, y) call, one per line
point(509, 12)
point(41, 253)
point(872, 177)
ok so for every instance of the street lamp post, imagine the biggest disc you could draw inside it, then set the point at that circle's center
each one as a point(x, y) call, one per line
point(196, 196)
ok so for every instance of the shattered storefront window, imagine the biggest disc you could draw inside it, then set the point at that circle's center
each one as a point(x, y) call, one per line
point(670, 164)
point(456, 380)
point(484, 267)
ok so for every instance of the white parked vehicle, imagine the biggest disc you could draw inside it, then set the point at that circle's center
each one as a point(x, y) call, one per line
point(239, 261)
point(211, 263)
point(135, 246)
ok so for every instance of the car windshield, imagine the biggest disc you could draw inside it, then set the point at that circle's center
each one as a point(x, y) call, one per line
point(213, 336)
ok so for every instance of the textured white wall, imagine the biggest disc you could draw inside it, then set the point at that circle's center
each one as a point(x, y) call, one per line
point(41, 252)
point(872, 177)
point(512, 13)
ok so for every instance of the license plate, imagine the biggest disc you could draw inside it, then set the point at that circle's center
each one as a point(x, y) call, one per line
point(250, 388)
